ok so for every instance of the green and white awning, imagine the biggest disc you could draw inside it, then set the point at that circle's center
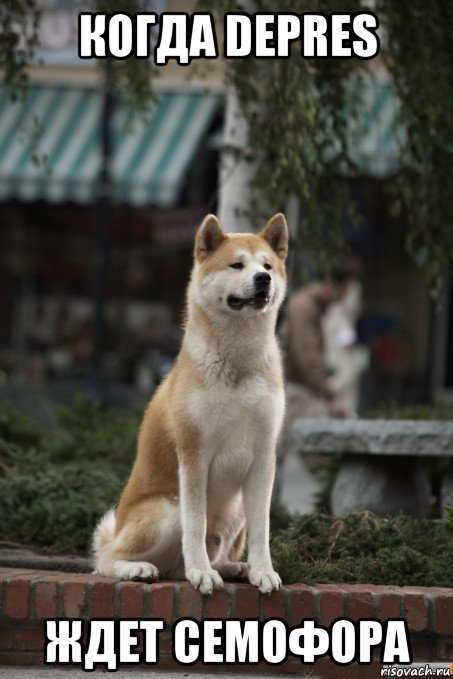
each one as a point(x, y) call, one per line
point(50, 145)
point(50, 142)
point(375, 136)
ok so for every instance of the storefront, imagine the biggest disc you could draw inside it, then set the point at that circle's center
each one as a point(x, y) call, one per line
point(163, 178)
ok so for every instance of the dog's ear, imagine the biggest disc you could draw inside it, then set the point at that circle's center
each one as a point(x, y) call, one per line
point(276, 234)
point(208, 238)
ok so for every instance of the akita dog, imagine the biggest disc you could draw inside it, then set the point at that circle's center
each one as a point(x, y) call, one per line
point(205, 462)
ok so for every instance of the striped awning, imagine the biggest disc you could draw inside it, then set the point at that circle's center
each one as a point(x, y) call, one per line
point(375, 137)
point(50, 145)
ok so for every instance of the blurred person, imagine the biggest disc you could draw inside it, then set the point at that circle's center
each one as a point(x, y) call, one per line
point(346, 359)
point(309, 391)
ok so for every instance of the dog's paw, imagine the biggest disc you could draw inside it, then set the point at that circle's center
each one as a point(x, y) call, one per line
point(266, 581)
point(237, 570)
point(204, 580)
point(135, 570)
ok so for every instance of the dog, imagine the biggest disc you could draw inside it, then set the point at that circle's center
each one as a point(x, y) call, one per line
point(205, 463)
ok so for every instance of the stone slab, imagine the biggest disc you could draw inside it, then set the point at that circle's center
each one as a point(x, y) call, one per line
point(27, 558)
point(374, 437)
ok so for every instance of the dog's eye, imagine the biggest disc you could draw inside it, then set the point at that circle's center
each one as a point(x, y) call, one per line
point(268, 267)
point(237, 265)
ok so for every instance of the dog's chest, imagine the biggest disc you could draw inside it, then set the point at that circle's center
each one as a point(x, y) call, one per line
point(223, 412)
point(233, 424)
point(229, 445)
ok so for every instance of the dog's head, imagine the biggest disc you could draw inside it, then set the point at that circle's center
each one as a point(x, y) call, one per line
point(240, 273)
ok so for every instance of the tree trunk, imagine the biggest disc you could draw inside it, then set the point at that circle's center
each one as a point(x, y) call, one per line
point(236, 169)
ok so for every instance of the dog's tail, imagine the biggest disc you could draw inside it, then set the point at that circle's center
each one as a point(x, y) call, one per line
point(102, 542)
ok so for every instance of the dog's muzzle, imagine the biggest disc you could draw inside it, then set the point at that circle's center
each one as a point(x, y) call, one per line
point(260, 298)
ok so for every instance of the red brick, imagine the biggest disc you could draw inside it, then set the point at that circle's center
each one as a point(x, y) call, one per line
point(103, 601)
point(74, 599)
point(444, 615)
point(6, 637)
point(371, 671)
point(273, 605)
point(445, 649)
point(132, 600)
point(189, 602)
point(327, 669)
point(361, 606)
point(360, 602)
point(17, 596)
point(301, 604)
point(161, 604)
point(46, 599)
point(165, 642)
point(420, 649)
point(21, 659)
point(247, 601)
point(218, 605)
point(30, 638)
point(389, 605)
point(331, 604)
point(415, 609)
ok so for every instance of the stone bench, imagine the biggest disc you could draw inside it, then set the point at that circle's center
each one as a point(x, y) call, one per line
point(380, 469)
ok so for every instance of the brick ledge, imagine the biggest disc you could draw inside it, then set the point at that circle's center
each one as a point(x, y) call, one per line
point(27, 597)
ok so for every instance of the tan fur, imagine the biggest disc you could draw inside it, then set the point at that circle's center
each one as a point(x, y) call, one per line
point(238, 546)
point(206, 449)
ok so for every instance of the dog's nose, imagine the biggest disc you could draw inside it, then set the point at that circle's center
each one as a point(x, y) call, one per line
point(262, 279)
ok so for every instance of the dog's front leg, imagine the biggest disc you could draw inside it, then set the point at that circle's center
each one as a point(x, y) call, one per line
point(193, 488)
point(257, 501)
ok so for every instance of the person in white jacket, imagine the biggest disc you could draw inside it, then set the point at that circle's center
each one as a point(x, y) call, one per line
point(346, 359)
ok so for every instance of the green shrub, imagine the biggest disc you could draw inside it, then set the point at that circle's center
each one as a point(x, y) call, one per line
point(280, 517)
point(90, 432)
point(53, 490)
point(54, 506)
point(364, 548)
point(16, 427)
point(391, 410)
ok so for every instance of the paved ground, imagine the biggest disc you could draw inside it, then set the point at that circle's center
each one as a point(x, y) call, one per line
point(38, 673)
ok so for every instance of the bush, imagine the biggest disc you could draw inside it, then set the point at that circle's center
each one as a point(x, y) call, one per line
point(391, 410)
point(91, 433)
point(363, 548)
point(54, 489)
point(18, 428)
